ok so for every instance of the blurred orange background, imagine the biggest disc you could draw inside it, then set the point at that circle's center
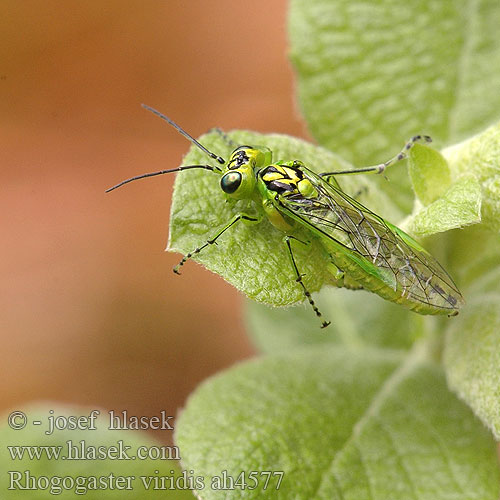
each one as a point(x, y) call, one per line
point(91, 311)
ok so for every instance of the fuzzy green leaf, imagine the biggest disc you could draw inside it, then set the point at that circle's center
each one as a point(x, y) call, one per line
point(459, 206)
point(372, 74)
point(253, 257)
point(109, 469)
point(480, 156)
point(340, 424)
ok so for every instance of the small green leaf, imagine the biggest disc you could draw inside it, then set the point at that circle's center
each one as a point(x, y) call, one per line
point(429, 173)
point(459, 206)
point(253, 257)
point(382, 323)
point(441, 205)
point(82, 471)
point(340, 424)
point(472, 357)
point(480, 156)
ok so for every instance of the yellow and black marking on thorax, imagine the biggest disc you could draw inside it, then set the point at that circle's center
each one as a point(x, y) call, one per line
point(288, 180)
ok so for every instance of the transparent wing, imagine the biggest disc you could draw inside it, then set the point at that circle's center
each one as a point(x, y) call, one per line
point(414, 272)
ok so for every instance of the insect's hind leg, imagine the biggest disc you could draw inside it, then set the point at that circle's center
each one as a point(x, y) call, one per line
point(299, 276)
point(213, 240)
point(378, 169)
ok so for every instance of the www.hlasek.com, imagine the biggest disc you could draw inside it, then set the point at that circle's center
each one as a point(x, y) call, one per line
point(80, 450)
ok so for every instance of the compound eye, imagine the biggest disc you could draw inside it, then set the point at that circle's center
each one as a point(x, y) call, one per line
point(230, 182)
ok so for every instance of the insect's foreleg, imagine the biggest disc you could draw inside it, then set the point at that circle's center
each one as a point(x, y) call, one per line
point(378, 169)
point(299, 279)
point(213, 240)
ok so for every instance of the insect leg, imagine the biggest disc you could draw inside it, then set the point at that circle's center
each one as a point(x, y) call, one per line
point(213, 240)
point(378, 169)
point(299, 279)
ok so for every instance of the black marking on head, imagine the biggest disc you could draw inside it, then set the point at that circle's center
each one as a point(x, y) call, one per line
point(242, 157)
point(239, 158)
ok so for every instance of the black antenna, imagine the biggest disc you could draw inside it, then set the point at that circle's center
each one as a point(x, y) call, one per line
point(161, 172)
point(185, 134)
